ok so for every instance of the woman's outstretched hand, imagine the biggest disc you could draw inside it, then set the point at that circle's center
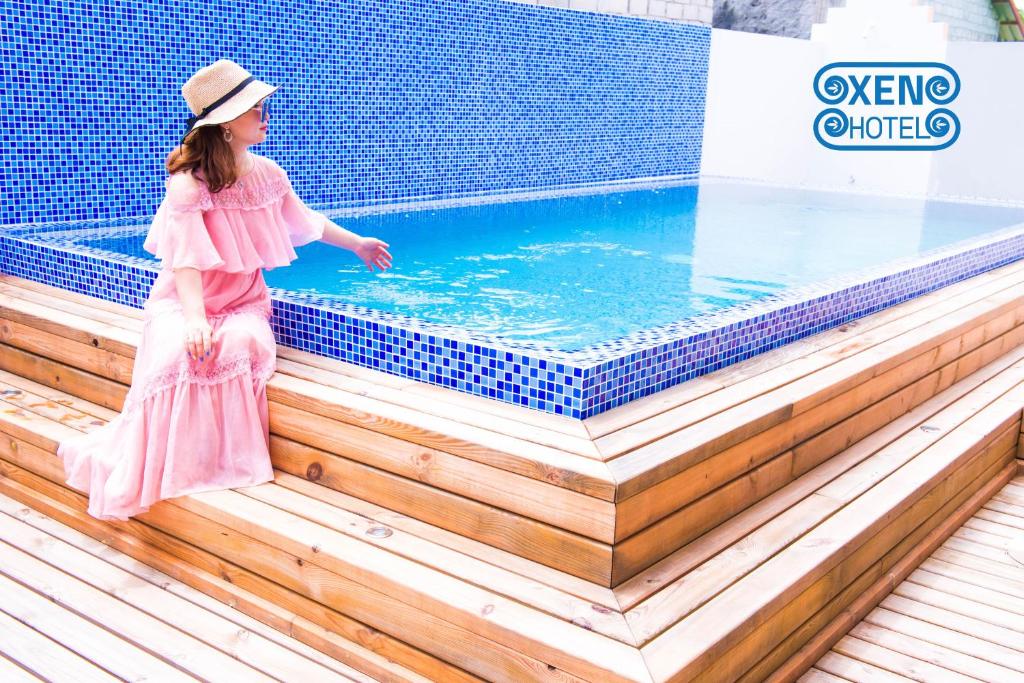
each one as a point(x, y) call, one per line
point(373, 252)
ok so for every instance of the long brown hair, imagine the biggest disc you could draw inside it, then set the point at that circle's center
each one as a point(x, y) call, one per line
point(205, 149)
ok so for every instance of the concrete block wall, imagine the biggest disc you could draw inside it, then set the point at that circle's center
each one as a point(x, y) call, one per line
point(789, 18)
point(697, 11)
point(967, 19)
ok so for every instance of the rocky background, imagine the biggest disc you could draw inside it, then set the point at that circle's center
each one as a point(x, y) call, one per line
point(967, 19)
point(792, 18)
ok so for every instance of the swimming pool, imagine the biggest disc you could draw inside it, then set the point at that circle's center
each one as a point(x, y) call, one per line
point(575, 304)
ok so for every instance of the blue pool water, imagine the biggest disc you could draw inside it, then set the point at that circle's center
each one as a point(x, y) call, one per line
point(573, 271)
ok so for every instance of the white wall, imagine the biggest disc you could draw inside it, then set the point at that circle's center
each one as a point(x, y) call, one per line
point(761, 107)
point(988, 159)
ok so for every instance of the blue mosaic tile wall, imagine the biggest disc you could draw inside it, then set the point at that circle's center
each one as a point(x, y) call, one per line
point(380, 100)
point(577, 384)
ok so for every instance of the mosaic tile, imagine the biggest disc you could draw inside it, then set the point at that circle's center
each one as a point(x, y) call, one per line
point(379, 102)
point(577, 384)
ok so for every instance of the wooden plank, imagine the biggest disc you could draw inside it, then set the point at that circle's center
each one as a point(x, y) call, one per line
point(12, 673)
point(984, 596)
point(1010, 497)
point(724, 466)
point(569, 553)
point(992, 528)
point(819, 676)
point(120, 657)
point(640, 551)
point(250, 648)
point(585, 590)
point(494, 578)
point(123, 317)
point(817, 634)
point(48, 408)
point(573, 472)
point(174, 647)
point(657, 540)
point(1009, 661)
point(995, 569)
point(960, 605)
point(246, 561)
point(953, 660)
point(1003, 519)
point(514, 420)
point(57, 396)
point(904, 665)
point(888, 551)
point(509, 487)
point(973, 577)
point(82, 329)
point(78, 383)
point(688, 646)
point(849, 338)
point(854, 670)
point(1008, 509)
point(615, 433)
point(953, 621)
point(267, 559)
point(699, 585)
point(313, 623)
point(165, 582)
point(819, 400)
point(59, 293)
point(580, 556)
point(982, 538)
point(42, 656)
point(97, 361)
point(1015, 488)
point(570, 647)
point(780, 503)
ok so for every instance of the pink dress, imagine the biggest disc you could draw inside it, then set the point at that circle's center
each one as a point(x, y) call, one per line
point(188, 426)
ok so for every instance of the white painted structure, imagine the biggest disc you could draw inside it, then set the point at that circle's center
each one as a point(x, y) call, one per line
point(761, 107)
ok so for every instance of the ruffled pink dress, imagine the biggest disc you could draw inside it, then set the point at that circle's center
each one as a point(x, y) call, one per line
point(188, 426)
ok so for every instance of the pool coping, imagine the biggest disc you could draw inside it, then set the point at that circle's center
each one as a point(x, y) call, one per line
point(579, 383)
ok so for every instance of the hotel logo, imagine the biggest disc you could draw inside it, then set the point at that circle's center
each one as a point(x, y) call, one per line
point(895, 106)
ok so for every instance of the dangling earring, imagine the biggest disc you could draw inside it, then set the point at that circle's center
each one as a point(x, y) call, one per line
point(228, 137)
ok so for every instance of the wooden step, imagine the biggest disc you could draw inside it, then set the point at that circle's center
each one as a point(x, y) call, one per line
point(737, 597)
point(542, 502)
point(958, 616)
point(601, 500)
point(408, 587)
point(100, 615)
point(745, 606)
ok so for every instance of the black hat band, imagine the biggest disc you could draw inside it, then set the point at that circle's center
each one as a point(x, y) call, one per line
point(193, 120)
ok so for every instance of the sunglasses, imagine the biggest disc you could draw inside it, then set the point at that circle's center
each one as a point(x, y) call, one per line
point(264, 108)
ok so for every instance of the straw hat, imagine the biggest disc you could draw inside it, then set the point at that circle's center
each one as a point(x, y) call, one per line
point(221, 92)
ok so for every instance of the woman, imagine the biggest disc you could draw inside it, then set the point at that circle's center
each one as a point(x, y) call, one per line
point(195, 418)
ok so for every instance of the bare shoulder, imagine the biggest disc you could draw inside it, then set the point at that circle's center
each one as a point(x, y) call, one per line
point(183, 188)
point(273, 165)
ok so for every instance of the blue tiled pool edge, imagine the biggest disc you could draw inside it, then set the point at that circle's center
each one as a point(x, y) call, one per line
point(577, 384)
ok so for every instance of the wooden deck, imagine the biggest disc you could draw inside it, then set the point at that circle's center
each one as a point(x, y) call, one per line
point(709, 532)
point(74, 609)
point(958, 617)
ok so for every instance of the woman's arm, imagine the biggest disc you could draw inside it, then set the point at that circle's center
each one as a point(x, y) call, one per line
point(198, 332)
point(190, 292)
point(337, 236)
point(371, 250)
